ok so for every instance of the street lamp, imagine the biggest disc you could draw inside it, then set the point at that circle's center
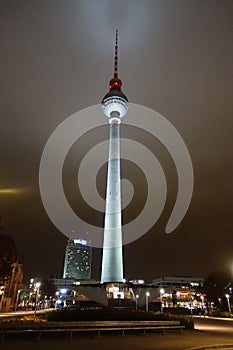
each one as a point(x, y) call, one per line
point(136, 300)
point(147, 297)
point(162, 291)
point(17, 299)
point(57, 298)
point(119, 299)
point(228, 302)
point(37, 288)
point(2, 291)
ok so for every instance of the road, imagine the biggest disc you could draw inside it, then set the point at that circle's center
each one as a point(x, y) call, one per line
point(214, 325)
point(208, 331)
point(22, 313)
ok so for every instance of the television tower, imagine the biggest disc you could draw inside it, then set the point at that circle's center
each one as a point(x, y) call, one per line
point(115, 105)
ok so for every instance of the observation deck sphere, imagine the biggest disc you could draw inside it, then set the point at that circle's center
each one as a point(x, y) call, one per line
point(111, 104)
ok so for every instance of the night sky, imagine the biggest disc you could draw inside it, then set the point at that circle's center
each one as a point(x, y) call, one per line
point(176, 58)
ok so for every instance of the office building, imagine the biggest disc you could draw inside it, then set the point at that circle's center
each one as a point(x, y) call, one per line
point(78, 258)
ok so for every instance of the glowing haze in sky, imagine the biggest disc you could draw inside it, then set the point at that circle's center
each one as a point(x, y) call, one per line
point(174, 57)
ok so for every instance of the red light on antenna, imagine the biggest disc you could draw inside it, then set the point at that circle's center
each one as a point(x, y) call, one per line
point(115, 84)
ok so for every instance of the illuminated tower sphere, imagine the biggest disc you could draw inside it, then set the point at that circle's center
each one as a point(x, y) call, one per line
point(115, 105)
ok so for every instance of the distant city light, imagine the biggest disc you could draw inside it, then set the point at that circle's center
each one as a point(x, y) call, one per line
point(80, 241)
point(141, 281)
point(77, 283)
point(63, 291)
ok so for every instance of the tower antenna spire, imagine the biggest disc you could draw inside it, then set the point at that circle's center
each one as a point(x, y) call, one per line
point(116, 56)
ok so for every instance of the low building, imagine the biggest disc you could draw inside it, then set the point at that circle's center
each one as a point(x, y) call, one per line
point(180, 291)
point(11, 273)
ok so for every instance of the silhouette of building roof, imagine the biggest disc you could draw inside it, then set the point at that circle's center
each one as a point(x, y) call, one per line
point(8, 249)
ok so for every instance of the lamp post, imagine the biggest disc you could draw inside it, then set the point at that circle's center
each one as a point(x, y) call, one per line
point(2, 291)
point(57, 297)
point(17, 299)
point(202, 303)
point(37, 288)
point(161, 298)
point(147, 298)
point(136, 301)
point(228, 302)
point(119, 300)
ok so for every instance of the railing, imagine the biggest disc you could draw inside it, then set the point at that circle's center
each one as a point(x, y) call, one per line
point(98, 327)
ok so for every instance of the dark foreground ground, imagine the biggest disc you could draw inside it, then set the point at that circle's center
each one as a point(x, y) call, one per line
point(170, 341)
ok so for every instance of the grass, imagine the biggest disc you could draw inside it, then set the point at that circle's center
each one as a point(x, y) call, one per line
point(224, 314)
point(66, 315)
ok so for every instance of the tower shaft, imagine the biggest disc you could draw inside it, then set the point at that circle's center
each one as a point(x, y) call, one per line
point(112, 260)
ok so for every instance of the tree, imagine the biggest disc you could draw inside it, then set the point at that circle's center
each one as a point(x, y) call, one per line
point(47, 288)
point(5, 268)
point(215, 287)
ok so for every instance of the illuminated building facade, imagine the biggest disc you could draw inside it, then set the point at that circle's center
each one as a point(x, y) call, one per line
point(78, 258)
point(115, 105)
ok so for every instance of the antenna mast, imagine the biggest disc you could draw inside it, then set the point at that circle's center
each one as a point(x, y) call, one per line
point(116, 56)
